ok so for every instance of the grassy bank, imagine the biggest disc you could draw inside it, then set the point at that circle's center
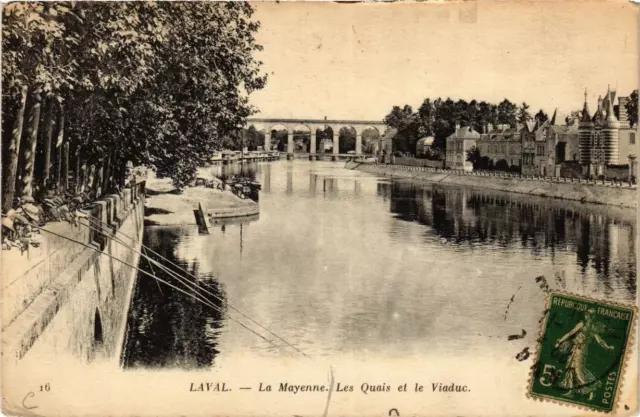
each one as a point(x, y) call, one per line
point(585, 193)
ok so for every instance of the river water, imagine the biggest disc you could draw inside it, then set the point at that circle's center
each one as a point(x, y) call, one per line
point(345, 264)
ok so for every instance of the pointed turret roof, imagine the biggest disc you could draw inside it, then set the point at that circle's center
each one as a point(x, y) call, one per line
point(557, 119)
point(611, 117)
point(599, 116)
point(586, 118)
point(610, 97)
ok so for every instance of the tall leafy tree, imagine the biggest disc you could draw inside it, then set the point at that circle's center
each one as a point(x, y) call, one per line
point(487, 115)
point(408, 126)
point(523, 115)
point(573, 117)
point(541, 116)
point(158, 83)
point(426, 114)
point(507, 113)
point(632, 108)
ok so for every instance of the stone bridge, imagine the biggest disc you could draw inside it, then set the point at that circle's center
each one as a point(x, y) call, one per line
point(313, 125)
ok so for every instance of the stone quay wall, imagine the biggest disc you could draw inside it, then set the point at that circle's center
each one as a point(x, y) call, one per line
point(71, 295)
point(585, 191)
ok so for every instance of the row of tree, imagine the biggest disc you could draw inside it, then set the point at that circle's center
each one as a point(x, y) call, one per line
point(439, 117)
point(157, 83)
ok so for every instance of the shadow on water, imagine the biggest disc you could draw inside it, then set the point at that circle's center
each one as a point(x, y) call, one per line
point(465, 216)
point(167, 328)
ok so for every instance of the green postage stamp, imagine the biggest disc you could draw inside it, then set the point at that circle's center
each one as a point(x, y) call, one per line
point(581, 351)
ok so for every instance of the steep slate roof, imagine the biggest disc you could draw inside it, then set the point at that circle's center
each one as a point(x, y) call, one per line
point(610, 97)
point(598, 117)
point(465, 132)
point(611, 117)
point(562, 130)
point(558, 118)
point(586, 117)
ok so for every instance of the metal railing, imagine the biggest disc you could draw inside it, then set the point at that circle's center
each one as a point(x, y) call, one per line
point(510, 175)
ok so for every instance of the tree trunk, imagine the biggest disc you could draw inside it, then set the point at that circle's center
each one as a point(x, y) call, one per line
point(97, 184)
point(64, 183)
point(106, 184)
point(121, 174)
point(82, 177)
point(76, 170)
point(33, 120)
point(11, 170)
point(60, 146)
point(88, 186)
point(48, 132)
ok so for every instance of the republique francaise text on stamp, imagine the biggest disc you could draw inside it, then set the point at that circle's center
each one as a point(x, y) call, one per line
point(581, 351)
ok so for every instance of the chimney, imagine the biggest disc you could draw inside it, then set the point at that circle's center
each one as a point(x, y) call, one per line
point(622, 111)
point(457, 126)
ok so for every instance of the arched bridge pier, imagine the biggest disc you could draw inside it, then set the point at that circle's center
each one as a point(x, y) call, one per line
point(313, 125)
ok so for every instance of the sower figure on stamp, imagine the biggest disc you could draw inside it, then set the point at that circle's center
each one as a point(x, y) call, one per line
point(577, 378)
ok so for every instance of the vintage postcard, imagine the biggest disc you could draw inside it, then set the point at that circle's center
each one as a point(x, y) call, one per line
point(319, 208)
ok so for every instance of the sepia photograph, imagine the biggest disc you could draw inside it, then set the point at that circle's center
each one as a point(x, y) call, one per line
point(306, 208)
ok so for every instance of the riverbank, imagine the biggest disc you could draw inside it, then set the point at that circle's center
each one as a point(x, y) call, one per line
point(68, 298)
point(166, 207)
point(585, 193)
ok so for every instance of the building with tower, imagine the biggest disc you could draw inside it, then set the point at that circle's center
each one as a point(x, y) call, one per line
point(607, 143)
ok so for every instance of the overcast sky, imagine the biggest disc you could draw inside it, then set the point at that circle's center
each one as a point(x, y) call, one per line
point(355, 61)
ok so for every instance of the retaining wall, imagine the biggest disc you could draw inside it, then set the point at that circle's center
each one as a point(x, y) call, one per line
point(70, 298)
point(597, 192)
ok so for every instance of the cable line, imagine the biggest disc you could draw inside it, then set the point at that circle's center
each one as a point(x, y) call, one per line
point(205, 301)
point(180, 268)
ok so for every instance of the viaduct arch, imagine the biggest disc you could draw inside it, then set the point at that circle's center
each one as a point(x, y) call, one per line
point(313, 125)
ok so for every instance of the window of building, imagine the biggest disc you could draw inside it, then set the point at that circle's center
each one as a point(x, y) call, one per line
point(632, 138)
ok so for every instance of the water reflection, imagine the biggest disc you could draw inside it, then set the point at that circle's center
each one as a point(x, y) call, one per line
point(603, 243)
point(342, 263)
point(313, 184)
point(246, 170)
point(266, 183)
point(167, 328)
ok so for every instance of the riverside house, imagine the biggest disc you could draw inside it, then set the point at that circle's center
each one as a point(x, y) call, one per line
point(458, 144)
point(423, 146)
point(555, 144)
point(501, 146)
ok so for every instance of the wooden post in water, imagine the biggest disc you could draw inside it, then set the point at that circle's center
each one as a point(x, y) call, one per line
point(201, 220)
